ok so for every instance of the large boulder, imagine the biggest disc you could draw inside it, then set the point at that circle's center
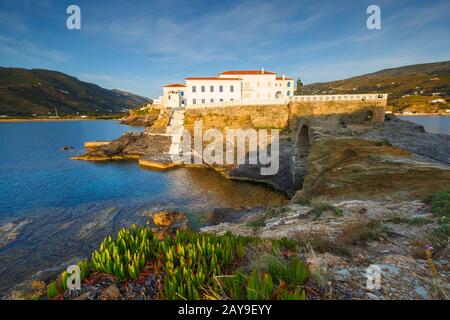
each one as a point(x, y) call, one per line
point(129, 146)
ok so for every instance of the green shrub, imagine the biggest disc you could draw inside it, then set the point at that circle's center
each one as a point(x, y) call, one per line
point(418, 221)
point(383, 142)
point(441, 235)
point(295, 273)
point(282, 281)
point(338, 211)
point(440, 202)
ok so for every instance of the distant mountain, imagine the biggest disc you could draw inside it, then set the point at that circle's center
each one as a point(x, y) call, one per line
point(24, 92)
point(407, 86)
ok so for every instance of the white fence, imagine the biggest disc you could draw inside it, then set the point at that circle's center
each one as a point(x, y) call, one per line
point(341, 97)
point(311, 98)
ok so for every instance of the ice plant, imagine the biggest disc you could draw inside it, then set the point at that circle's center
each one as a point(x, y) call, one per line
point(194, 265)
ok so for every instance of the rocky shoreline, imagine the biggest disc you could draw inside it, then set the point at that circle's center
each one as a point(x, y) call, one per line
point(396, 155)
point(407, 241)
point(359, 206)
point(343, 239)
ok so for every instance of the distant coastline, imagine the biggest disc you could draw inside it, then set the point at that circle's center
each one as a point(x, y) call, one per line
point(47, 120)
point(422, 114)
point(5, 120)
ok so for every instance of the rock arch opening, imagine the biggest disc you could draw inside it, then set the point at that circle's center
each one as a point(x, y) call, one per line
point(303, 142)
point(300, 156)
point(368, 116)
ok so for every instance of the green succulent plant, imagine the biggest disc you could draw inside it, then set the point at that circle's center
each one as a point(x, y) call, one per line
point(193, 263)
point(125, 257)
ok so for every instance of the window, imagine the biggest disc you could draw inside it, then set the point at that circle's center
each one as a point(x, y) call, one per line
point(211, 89)
point(194, 101)
point(212, 100)
point(231, 88)
point(194, 89)
point(181, 93)
point(288, 93)
point(231, 99)
point(221, 100)
point(269, 84)
point(247, 95)
point(257, 84)
point(203, 88)
point(220, 88)
point(257, 96)
point(203, 100)
point(289, 83)
point(268, 96)
point(247, 85)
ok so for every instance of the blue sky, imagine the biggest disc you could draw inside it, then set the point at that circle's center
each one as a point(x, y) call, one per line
point(138, 46)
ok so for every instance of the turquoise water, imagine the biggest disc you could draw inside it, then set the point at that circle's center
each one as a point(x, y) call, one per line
point(53, 209)
point(432, 124)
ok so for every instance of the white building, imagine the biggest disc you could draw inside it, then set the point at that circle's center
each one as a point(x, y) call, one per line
point(174, 95)
point(244, 86)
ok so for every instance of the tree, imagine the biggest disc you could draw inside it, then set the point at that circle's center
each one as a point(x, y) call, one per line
point(299, 86)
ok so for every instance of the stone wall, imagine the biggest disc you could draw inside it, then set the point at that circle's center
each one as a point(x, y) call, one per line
point(337, 113)
point(238, 117)
point(332, 113)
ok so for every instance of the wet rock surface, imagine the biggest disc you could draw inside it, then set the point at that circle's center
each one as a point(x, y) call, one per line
point(411, 136)
point(129, 146)
point(164, 223)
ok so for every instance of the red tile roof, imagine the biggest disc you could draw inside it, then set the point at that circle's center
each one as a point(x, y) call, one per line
point(211, 78)
point(246, 72)
point(280, 78)
point(177, 85)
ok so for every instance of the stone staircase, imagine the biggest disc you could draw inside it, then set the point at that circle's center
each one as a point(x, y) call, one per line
point(175, 130)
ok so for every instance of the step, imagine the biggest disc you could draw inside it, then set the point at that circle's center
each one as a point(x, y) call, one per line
point(174, 149)
point(173, 131)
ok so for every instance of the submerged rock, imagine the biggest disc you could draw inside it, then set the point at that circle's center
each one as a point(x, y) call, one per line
point(10, 231)
point(172, 219)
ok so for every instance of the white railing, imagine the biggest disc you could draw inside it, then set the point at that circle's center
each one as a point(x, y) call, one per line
point(341, 97)
point(310, 98)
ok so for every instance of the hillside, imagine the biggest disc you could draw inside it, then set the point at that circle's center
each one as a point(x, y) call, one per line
point(411, 88)
point(27, 92)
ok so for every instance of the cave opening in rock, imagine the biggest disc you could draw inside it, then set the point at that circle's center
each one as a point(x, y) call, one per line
point(368, 116)
point(303, 141)
point(301, 154)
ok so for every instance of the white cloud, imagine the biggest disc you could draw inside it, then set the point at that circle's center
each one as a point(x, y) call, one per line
point(226, 34)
